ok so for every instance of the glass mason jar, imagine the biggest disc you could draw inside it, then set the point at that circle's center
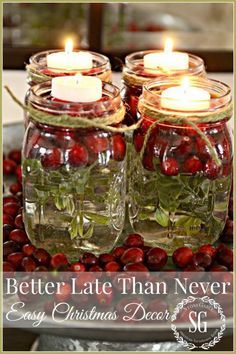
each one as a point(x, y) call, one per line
point(135, 76)
point(74, 179)
point(178, 193)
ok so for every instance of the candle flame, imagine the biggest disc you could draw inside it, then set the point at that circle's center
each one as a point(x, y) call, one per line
point(168, 45)
point(185, 83)
point(69, 46)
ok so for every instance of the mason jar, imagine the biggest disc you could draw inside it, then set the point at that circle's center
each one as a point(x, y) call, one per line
point(74, 179)
point(181, 171)
point(135, 76)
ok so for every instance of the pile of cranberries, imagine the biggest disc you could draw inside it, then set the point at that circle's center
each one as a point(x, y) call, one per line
point(182, 150)
point(20, 255)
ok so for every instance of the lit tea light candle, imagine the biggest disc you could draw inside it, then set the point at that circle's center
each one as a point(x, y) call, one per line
point(185, 97)
point(69, 60)
point(77, 88)
point(167, 60)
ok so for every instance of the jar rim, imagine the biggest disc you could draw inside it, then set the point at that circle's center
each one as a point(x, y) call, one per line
point(41, 56)
point(196, 61)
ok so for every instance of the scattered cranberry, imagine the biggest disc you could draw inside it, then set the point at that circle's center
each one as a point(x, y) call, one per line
point(118, 251)
point(156, 258)
point(28, 264)
point(225, 257)
point(59, 260)
point(182, 256)
point(78, 155)
point(9, 167)
point(6, 231)
point(77, 267)
point(15, 258)
point(10, 247)
point(132, 255)
point(41, 269)
point(102, 298)
point(42, 256)
point(88, 259)
point(209, 249)
point(19, 222)
point(11, 209)
point(157, 305)
point(15, 188)
point(96, 269)
point(64, 293)
point(211, 170)
point(8, 267)
point(119, 147)
point(134, 240)
point(202, 259)
point(218, 268)
point(194, 268)
point(19, 236)
point(28, 249)
point(170, 166)
point(135, 267)
point(52, 159)
point(112, 267)
point(192, 165)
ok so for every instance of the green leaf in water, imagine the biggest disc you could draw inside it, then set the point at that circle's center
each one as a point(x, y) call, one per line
point(161, 217)
point(73, 228)
point(89, 232)
point(96, 218)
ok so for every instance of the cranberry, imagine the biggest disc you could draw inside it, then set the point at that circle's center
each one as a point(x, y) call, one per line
point(59, 260)
point(112, 267)
point(41, 269)
point(148, 163)
point(223, 148)
point(52, 159)
point(10, 247)
point(194, 268)
point(88, 259)
point(7, 219)
point(182, 256)
point(97, 144)
point(19, 222)
point(138, 141)
point(227, 234)
point(156, 258)
point(96, 269)
point(10, 199)
point(202, 149)
point(64, 292)
point(170, 166)
point(134, 240)
point(146, 249)
point(28, 249)
point(15, 258)
point(15, 155)
point(132, 255)
point(105, 258)
point(118, 251)
point(9, 167)
point(209, 249)
point(78, 155)
point(135, 267)
point(28, 264)
point(15, 187)
point(192, 165)
point(42, 256)
point(11, 209)
point(19, 196)
point(18, 173)
point(19, 236)
point(184, 146)
point(118, 147)
point(77, 267)
point(103, 299)
point(8, 267)
point(210, 169)
point(227, 169)
point(202, 259)
point(225, 257)
point(218, 268)
point(6, 231)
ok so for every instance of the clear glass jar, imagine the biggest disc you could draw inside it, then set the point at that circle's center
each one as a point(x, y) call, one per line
point(39, 72)
point(135, 76)
point(74, 179)
point(178, 196)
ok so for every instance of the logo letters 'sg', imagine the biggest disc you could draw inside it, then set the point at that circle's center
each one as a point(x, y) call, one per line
point(196, 320)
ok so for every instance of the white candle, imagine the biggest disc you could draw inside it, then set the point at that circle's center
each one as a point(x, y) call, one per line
point(167, 60)
point(77, 88)
point(69, 60)
point(185, 98)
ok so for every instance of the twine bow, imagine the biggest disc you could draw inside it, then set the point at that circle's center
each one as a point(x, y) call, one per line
point(105, 122)
point(201, 117)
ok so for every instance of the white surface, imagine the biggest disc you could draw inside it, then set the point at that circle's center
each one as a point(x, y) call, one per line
point(16, 80)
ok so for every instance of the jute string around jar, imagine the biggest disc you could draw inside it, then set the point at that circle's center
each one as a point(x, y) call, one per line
point(105, 122)
point(161, 116)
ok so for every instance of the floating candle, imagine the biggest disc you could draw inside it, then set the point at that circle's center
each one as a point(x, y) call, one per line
point(69, 60)
point(77, 88)
point(185, 97)
point(167, 60)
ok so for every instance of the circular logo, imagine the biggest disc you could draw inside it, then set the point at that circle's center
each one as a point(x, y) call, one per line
point(198, 322)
